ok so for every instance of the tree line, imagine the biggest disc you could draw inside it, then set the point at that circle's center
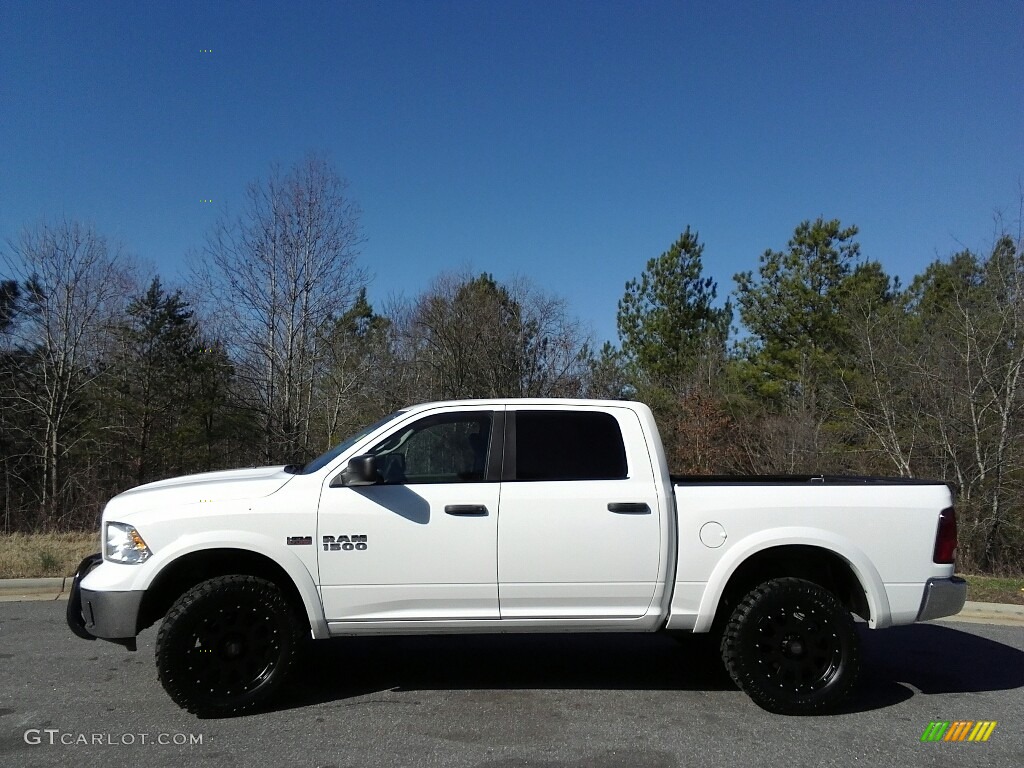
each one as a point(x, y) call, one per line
point(817, 362)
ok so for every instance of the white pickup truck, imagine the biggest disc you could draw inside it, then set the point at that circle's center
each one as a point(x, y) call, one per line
point(513, 516)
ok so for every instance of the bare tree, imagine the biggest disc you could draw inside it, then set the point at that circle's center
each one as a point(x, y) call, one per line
point(939, 390)
point(357, 386)
point(972, 379)
point(473, 337)
point(73, 284)
point(877, 394)
point(279, 274)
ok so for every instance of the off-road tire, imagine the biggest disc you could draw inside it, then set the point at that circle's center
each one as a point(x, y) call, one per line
point(227, 645)
point(792, 647)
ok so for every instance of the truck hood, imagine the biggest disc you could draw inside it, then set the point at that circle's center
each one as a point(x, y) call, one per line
point(228, 485)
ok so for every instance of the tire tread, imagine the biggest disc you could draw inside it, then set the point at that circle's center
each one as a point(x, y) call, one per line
point(732, 648)
point(169, 676)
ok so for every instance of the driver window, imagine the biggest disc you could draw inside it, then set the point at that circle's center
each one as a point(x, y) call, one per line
point(447, 448)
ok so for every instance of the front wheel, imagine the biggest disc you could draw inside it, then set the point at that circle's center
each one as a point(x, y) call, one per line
point(792, 647)
point(227, 645)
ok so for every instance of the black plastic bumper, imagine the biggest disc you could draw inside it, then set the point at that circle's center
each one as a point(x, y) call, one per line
point(942, 597)
point(109, 616)
point(74, 615)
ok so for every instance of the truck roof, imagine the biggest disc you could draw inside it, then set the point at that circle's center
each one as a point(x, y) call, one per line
point(565, 401)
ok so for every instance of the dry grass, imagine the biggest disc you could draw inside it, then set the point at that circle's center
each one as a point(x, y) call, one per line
point(25, 556)
point(990, 589)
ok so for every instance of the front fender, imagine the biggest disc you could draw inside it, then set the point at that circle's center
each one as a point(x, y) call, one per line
point(741, 551)
point(115, 577)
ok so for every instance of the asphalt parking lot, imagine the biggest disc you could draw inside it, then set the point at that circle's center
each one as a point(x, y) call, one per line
point(504, 701)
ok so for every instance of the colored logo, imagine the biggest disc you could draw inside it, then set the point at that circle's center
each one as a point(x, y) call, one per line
point(958, 730)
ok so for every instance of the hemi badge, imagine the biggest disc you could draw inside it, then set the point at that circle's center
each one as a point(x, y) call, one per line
point(298, 540)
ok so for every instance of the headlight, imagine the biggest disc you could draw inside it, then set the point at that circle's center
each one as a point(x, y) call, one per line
point(123, 544)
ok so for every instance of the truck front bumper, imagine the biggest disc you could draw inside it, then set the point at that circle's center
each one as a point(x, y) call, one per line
point(942, 597)
point(110, 616)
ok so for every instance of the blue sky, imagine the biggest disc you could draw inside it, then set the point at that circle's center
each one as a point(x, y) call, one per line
point(565, 141)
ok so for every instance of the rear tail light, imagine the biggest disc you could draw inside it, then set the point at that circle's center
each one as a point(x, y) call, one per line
point(945, 539)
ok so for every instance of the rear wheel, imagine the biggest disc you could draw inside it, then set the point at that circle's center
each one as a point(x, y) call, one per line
point(792, 647)
point(227, 645)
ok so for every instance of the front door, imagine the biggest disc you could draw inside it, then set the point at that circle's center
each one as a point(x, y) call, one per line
point(422, 543)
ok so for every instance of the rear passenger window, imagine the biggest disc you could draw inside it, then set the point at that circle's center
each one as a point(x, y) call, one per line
point(568, 445)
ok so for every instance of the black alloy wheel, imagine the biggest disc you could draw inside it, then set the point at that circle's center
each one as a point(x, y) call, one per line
point(227, 645)
point(792, 647)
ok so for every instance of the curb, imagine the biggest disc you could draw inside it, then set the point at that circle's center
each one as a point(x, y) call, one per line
point(989, 613)
point(21, 590)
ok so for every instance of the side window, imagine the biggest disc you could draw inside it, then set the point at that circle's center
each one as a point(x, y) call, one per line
point(448, 448)
point(569, 445)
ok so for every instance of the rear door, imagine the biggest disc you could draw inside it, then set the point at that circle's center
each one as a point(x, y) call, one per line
point(578, 527)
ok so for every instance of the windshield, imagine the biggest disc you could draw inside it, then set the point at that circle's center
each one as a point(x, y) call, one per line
point(324, 459)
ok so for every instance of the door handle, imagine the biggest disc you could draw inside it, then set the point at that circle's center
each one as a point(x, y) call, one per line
point(629, 508)
point(466, 510)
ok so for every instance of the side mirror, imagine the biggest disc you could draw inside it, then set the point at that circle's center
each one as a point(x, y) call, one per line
point(361, 470)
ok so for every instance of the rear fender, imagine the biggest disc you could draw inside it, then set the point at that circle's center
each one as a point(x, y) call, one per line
point(860, 564)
